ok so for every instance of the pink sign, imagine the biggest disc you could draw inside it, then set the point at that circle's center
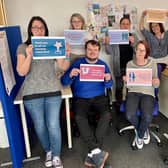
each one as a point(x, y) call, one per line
point(139, 77)
point(90, 72)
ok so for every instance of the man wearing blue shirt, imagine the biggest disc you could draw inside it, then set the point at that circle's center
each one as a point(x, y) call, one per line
point(89, 97)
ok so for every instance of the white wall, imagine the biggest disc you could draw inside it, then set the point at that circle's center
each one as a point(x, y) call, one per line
point(57, 12)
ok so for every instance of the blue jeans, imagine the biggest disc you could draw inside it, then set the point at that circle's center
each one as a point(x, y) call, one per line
point(45, 113)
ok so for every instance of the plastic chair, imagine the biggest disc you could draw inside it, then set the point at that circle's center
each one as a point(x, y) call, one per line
point(152, 125)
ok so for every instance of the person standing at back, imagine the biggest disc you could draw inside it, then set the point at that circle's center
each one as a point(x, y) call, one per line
point(121, 54)
point(41, 92)
point(77, 22)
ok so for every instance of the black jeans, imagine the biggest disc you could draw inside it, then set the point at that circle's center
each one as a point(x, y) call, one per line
point(145, 103)
point(85, 107)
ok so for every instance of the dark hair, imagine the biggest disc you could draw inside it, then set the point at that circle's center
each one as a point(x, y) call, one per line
point(92, 42)
point(29, 32)
point(125, 17)
point(160, 25)
point(146, 45)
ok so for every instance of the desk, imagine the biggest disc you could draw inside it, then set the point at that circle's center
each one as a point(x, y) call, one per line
point(65, 94)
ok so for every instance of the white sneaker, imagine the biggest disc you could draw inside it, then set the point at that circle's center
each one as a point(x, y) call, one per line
point(56, 162)
point(146, 137)
point(48, 160)
point(138, 141)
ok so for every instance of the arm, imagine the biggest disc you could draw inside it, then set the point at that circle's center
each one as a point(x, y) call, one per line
point(141, 23)
point(155, 79)
point(24, 61)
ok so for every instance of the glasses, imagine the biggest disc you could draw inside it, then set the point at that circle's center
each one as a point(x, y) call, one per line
point(140, 50)
point(38, 28)
point(76, 21)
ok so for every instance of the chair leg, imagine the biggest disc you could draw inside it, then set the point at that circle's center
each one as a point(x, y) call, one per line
point(130, 127)
point(156, 137)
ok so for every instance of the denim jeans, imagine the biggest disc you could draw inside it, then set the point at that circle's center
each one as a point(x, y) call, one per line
point(145, 103)
point(45, 113)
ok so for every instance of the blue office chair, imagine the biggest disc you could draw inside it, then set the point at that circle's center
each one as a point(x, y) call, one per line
point(152, 125)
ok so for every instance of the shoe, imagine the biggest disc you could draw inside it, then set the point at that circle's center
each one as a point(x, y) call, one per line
point(89, 162)
point(138, 141)
point(146, 137)
point(56, 162)
point(48, 160)
point(100, 158)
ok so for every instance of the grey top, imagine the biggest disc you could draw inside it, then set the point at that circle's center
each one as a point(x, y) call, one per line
point(159, 48)
point(42, 76)
point(149, 90)
point(114, 51)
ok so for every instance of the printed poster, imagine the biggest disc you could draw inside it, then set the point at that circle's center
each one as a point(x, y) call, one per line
point(48, 47)
point(139, 77)
point(75, 37)
point(90, 72)
point(6, 64)
point(156, 15)
point(118, 36)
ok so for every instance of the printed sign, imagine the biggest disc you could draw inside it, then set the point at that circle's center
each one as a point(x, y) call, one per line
point(90, 72)
point(75, 37)
point(139, 77)
point(118, 36)
point(156, 16)
point(48, 47)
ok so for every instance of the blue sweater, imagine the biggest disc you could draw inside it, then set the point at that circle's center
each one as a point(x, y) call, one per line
point(86, 89)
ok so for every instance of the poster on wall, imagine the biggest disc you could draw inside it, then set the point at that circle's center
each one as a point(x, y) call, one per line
point(48, 47)
point(6, 64)
point(100, 18)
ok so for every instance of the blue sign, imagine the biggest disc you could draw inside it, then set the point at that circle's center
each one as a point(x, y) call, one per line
point(48, 47)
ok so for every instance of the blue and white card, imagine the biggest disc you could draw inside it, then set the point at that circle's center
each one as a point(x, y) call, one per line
point(48, 47)
point(75, 37)
point(118, 36)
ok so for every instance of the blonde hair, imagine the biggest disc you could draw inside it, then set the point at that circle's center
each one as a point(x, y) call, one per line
point(80, 17)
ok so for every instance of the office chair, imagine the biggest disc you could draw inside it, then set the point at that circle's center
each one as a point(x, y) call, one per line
point(152, 125)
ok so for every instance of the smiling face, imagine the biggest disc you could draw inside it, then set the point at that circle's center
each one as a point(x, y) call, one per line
point(92, 52)
point(77, 23)
point(155, 28)
point(37, 28)
point(125, 24)
point(140, 51)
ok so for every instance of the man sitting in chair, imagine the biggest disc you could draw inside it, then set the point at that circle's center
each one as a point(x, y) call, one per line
point(89, 96)
point(141, 96)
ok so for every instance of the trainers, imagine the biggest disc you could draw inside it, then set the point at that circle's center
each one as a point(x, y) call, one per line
point(56, 162)
point(89, 162)
point(138, 141)
point(146, 137)
point(48, 160)
point(100, 158)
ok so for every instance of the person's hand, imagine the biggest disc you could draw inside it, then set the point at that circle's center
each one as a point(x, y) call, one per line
point(124, 78)
point(29, 50)
point(107, 77)
point(155, 81)
point(74, 72)
point(167, 13)
point(131, 39)
point(144, 13)
point(107, 40)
